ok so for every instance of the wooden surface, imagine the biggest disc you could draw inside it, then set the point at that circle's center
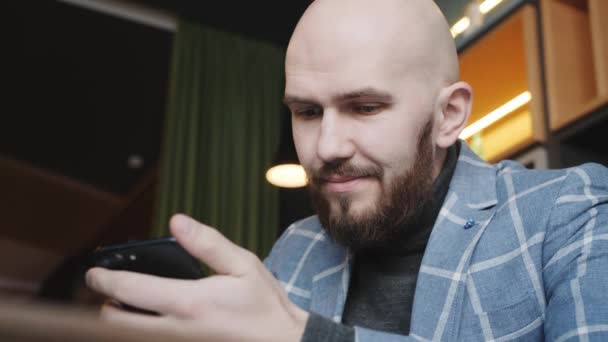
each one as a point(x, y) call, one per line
point(496, 67)
point(531, 45)
point(598, 11)
point(571, 74)
point(500, 66)
point(583, 110)
point(50, 211)
point(36, 322)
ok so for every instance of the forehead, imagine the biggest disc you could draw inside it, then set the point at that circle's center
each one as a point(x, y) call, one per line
point(326, 81)
point(329, 66)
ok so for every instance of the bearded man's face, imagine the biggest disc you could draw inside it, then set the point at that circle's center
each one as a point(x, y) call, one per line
point(389, 211)
point(362, 121)
point(370, 163)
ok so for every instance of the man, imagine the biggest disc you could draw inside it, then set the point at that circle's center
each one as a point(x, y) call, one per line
point(377, 109)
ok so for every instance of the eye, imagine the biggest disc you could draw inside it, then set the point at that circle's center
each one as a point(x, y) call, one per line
point(366, 108)
point(308, 112)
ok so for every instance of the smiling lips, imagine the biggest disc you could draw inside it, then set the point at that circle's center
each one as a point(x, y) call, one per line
point(342, 184)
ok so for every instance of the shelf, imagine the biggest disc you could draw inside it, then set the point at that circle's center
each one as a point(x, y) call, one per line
point(491, 20)
point(581, 141)
point(535, 158)
point(501, 65)
point(576, 51)
point(596, 113)
point(599, 36)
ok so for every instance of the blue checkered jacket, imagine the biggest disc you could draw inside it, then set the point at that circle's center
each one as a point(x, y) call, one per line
point(515, 254)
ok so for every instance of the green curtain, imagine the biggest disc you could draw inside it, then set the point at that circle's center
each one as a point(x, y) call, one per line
point(222, 131)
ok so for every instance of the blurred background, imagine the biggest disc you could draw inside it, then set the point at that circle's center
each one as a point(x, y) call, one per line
point(117, 114)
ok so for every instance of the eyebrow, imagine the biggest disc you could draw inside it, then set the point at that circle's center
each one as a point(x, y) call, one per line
point(351, 95)
point(289, 99)
point(365, 92)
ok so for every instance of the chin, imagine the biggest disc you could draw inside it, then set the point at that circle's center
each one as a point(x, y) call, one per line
point(359, 206)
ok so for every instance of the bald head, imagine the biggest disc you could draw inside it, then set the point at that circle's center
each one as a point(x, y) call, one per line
point(372, 86)
point(403, 36)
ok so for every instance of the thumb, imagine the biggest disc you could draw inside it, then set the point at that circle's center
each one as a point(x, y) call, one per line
point(209, 246)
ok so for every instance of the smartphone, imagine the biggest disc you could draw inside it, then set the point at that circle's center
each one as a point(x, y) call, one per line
point(162, 257)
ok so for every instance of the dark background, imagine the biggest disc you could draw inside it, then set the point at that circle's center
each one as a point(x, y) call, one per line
point(84, 91)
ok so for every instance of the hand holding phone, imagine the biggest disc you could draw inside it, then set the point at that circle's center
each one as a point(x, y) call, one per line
point(162, 257)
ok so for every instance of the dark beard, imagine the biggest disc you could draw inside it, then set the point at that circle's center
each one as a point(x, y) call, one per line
point(399, 206)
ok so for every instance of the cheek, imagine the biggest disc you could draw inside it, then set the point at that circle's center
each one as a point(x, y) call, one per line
point(389, 143)
point(304, 141)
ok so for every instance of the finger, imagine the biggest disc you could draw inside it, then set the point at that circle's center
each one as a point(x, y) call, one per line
point(112, 314)
point(211, 247)
point(162, 295)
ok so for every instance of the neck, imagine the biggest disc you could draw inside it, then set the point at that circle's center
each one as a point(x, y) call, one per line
point(439, 161)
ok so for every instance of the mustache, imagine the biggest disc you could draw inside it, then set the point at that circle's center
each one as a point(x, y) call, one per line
point(344, 169)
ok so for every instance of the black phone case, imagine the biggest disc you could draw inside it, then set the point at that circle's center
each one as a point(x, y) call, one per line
point(162, 257)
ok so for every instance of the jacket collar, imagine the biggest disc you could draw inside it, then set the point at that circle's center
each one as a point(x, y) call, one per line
point(466, 212)
point(471, 199)
point(474, 180)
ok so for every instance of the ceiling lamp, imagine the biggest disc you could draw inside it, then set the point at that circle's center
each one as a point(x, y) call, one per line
point(488, 5)
point(287, 176)
point(465, 22)
point(460, 26)
point(286, 171)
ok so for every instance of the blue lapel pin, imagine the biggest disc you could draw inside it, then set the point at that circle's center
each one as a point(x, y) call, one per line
point(469, 224)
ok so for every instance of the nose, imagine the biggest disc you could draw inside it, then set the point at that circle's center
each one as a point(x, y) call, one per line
point(335, 142)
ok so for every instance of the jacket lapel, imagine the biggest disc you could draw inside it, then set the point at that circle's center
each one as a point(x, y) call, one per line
point(468, 208)
point(466, 211)
point(330, 285)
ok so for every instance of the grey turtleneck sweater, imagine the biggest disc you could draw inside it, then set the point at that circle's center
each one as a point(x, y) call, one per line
point(383, 281)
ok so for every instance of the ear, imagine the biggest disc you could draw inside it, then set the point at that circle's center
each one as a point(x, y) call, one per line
point(455, 102)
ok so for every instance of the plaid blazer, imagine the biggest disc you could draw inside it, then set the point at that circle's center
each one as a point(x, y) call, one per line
point(515, 254)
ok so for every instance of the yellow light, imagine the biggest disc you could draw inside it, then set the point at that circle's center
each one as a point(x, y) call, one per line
point(460, 26)
point(488, 5)
point(509, 107)
point(287, 176)
point(464, 23)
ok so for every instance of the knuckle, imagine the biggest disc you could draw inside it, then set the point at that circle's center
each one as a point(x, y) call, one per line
point(251, 261)
point(251, 257)
point(185, 307)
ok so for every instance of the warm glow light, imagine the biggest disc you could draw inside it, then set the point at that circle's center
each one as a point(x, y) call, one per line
point(488, 5)
point(460, 26)
point(509, 107)
point(464, 23)
point(287, 176)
